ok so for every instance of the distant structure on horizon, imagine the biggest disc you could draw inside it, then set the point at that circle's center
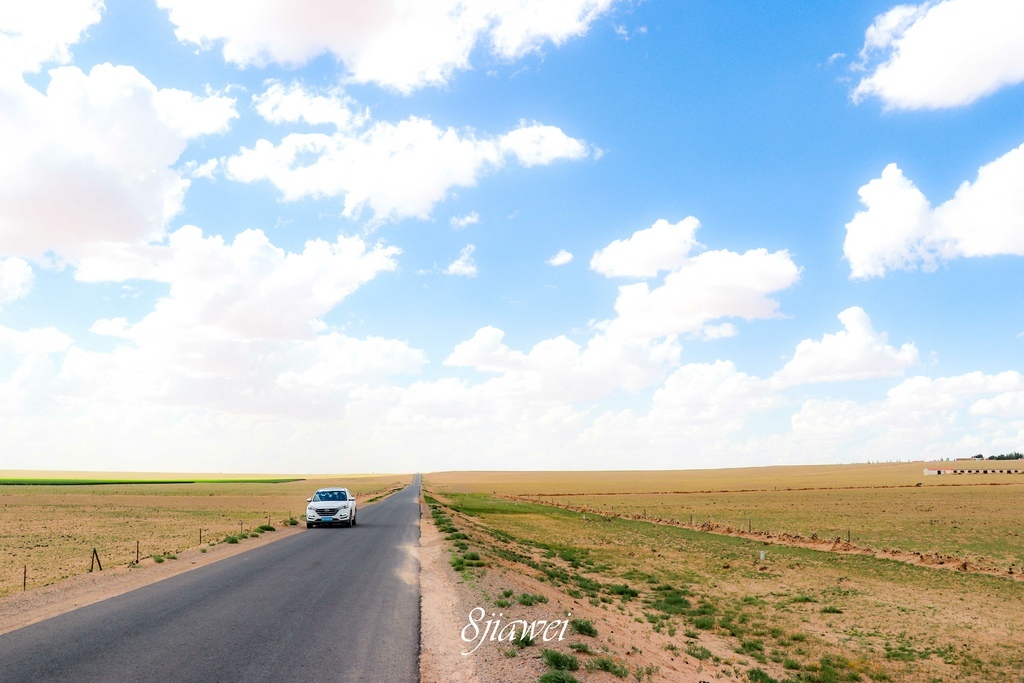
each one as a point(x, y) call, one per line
point(972, 470)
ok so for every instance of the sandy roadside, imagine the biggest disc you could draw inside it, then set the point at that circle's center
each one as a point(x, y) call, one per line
point(18, 610)
point(447, 601)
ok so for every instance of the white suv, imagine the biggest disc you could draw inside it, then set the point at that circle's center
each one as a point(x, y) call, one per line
point(331, 506)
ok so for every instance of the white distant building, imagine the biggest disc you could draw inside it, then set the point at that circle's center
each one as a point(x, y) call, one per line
point(974, 470)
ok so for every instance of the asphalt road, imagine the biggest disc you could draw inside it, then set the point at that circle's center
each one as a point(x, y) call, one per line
point(339, 604)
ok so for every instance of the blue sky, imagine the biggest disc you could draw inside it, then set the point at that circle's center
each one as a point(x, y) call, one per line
point(574, 234)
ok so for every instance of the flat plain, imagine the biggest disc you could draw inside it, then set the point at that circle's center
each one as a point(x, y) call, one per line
point(799, 614)
point(52, 528)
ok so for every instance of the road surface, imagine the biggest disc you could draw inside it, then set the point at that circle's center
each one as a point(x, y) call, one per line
point(338, 604)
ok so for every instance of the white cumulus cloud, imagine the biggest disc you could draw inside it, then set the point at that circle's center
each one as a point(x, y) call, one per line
point(710, 286)
point(663, 246)
point(856, 352)
point(397, 170)
point(292, 103)
point(16, 278)
point(460, 222)
point(559, 369)
point(42, 31)
point(943, 54)
point(899, 229)
point(399, 44)
point(562, 258)
point(91, 160)
point(464, 264)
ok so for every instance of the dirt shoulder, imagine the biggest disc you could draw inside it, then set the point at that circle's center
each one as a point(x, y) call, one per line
point(449, 597)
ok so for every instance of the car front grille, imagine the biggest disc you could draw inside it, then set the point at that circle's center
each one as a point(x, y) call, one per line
point(328, 512)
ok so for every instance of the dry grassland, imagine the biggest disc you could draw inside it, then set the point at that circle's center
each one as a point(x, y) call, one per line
point(53, 529)
point(799, 615)
point(970, 517)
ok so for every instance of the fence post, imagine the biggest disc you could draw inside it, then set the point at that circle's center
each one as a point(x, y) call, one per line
point(24, 579)
point(95, 560)
point(136, 552)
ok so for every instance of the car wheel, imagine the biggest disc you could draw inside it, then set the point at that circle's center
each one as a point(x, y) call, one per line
point(309, 525)
point(353, 520)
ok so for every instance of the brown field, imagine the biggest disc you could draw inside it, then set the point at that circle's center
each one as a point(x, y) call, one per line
point(53, 529)
point(799, 615)
point(879, 506)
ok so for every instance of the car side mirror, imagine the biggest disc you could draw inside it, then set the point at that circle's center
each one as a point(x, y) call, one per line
point(309, 500)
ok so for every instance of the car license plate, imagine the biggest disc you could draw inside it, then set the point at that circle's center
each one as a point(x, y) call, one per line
point(327, 519)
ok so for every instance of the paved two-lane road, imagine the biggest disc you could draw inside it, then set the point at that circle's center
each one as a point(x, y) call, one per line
point(324, 605)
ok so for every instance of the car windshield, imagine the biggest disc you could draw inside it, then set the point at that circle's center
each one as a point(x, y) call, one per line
point(332, 496)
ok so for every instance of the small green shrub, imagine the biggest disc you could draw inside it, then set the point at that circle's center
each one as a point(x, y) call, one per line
point(158, 558)
point(507, 593)
point(170, 556)
point(527, 599)
point(623, 590)
point(698, 652)
point(524, 639)
point(583, 627)
point(608, 664)
point(558, 676)
point(202, 550)
point(705, 623)
point(266, 527)
point(502, 602)
point(581, 647)
point(560, 660)
point(830, 609)
point(759, 676)
point(231, 539)
point(790, 664)
point(803, 598)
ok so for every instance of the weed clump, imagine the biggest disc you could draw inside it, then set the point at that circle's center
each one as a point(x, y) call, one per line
point(528, 599)
point(583, 627)
point(560, 660)
point(558, 676)
point(524, 639)
point(608, 664)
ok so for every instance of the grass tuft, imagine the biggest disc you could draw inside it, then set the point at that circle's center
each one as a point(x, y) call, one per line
point(583, 627)
point(560, 660)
